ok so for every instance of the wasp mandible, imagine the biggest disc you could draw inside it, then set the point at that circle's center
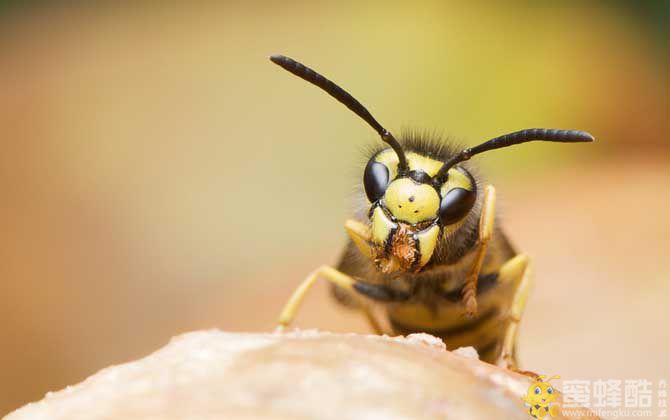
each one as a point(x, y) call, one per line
point(429, 250)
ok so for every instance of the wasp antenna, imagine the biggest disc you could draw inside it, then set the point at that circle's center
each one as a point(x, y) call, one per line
point(345, 98)
point(517, 137)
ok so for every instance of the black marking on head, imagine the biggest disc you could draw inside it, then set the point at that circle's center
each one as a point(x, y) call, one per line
point(420, 176)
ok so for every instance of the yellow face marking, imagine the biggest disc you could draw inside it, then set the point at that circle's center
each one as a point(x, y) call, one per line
point(414, 160)
point(381, 226)
point(457, 179)
point(427, 241)
point(390, 160)
point(411, 202)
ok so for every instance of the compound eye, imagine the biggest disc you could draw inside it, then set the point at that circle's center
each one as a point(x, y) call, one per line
point(375, 180)
point(456, 204)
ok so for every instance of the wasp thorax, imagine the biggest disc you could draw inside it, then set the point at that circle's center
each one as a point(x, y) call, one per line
point(411, 202)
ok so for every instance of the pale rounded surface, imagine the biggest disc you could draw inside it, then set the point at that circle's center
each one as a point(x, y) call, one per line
point(411, 202)
point(469, 352)
point(295, 375)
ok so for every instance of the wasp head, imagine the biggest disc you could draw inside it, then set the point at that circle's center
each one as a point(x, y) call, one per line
point(410, 207)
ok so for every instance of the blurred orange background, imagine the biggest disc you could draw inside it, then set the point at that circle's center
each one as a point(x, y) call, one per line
point(160, 175)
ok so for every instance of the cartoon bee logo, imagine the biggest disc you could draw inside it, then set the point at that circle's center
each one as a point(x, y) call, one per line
point(540, 397)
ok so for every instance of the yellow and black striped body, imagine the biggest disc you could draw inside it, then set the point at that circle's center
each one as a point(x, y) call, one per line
point(431, 299)
point(435, 305)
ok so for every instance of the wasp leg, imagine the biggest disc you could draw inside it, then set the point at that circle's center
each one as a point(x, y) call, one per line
point(516, 271)
point(486, 220)
point(349, 263)
point(340, 279)
point(360, 235)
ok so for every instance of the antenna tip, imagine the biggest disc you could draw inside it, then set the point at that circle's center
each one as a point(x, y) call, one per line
point(277, 58)
point(586, 137)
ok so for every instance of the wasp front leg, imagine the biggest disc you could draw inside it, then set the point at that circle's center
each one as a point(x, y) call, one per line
point(359, 233)
point(356, 288)
point(486, 220)
point(516, 271)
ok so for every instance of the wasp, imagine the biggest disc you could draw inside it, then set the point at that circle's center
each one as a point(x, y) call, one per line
point(427, 253)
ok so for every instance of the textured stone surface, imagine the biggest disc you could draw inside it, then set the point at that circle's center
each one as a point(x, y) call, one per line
point(296, 375)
